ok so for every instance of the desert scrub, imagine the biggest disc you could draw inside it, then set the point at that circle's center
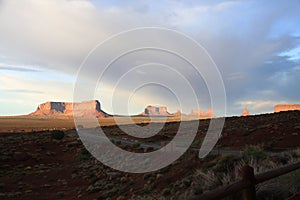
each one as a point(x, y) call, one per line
point(61, 194)
point(226, 163)
point(147, 188)
point(253, 152)
point(50, 153)
point(166, 192)
point(57, 134)
point(2, 185)
point(248, 132)
point(186, 182)
point(147, 176)
point(165, 169)
point(148, 149)
point(111, 192)
point(208, 180)
point(83, 155)
point(136, 145)
point(135, 197)
point(196, 143)
point(297, 127)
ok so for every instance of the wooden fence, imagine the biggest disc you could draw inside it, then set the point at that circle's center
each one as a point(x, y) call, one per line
point(247, 184)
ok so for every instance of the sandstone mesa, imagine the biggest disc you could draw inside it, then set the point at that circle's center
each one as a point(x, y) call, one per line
point(286, 107)
point(92, 109)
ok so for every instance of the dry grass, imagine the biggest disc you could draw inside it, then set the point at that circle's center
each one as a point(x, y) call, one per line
point(24, 123)
point(277, 188)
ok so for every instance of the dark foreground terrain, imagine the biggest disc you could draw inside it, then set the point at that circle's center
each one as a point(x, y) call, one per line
point(38, 165)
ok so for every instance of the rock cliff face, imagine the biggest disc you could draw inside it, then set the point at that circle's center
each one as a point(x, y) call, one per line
point(245, 113)
point(89, 109)
point(156, 111)
point(202, 113)
point(286, 107)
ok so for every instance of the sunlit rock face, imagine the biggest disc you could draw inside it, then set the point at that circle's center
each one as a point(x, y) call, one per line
point(245, 113)
point(156, 111)
point(286, 107)
point(202, 113)
point(89, 109)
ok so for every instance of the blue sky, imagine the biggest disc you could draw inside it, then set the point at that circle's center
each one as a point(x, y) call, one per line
point(255, 44)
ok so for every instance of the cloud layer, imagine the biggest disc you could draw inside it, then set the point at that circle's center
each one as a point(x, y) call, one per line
point(253, 43)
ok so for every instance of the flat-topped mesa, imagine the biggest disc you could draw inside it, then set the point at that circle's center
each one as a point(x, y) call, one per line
point(156, 111)
point(202, 113)
point(89, 109)
point(286, 107)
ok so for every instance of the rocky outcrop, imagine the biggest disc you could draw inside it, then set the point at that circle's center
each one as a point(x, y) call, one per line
point(202, 113)
point(286, 107)
point(178, 113)
point(156, 111)
point(245, 113)
point(89, 109)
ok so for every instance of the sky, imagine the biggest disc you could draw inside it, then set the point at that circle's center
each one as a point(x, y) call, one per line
point(254, 44)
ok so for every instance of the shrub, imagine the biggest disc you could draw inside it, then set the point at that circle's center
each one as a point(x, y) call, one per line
point(147, 188)
point(2, 185)
point(136, 145)
point(111, 192)
point(166, 192)
point(253, 152)
point(297, 127)
point(146, 176)
point(248, 132)
point(196, 143)
point(57, 134)
point(49, 153)
point(61, 194)
point(84, 155)
point(226, 163)
point(186, 182)
point(148, 149)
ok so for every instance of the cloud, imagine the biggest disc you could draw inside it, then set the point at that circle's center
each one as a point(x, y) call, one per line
point(59, 34)
point(245, 39)
point(18, 69)
point(25, 91)
point(21, 94)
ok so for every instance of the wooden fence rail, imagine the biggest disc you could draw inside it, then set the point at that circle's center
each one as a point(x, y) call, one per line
point(247, 184)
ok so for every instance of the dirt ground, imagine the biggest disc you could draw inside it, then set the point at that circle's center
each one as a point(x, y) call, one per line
point(35, 166)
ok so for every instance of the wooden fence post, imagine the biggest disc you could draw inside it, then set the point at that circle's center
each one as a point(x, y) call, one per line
point(247, 174)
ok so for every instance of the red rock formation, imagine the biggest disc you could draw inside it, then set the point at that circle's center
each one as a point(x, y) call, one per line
point(245, 113)
point(202, 113)
point(89, 109)
point(177, 113)
point(156, 111)
point(286, 107)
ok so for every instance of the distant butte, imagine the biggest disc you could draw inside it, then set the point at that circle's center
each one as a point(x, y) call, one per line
point(202, 113)
point(245, 113)
point(156, 111)
point(286, 107)
point(90, 109)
